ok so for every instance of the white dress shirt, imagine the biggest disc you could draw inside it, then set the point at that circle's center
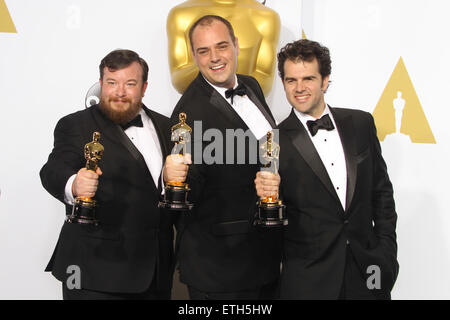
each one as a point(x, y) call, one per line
point(248, 111)
point(146, 141)
point(329, 147)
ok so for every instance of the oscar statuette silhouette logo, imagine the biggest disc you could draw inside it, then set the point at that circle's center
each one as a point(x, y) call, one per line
point(83, 210)
point(399, 115)
point(176, 192)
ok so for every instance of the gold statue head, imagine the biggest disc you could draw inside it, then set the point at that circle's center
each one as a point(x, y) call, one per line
point(181, 132)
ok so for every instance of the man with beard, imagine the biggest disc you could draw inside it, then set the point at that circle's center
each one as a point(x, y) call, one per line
point(128, 255)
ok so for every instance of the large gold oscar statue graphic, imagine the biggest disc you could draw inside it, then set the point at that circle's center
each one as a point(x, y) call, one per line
point(256, 26)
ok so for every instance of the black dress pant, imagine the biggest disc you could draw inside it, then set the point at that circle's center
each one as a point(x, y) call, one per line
point(152, 293)
point(266, 292)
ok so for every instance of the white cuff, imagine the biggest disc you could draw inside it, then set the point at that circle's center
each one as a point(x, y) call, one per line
point(68, 196)
point(162, 181)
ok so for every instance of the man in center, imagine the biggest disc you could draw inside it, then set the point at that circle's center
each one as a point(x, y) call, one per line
point(221, 254)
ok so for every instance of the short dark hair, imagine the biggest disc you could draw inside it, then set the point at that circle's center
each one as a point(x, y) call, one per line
point(305, 50)
point(121, 58)
point(207, 21)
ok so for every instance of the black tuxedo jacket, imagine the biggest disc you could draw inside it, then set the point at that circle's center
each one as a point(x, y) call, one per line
point(320, 230)
point(219, 249)
point(133, 243)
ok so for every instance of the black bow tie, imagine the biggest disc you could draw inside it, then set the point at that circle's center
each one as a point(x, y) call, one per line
point(240, 90)
point(322, 123)
point(136, 122)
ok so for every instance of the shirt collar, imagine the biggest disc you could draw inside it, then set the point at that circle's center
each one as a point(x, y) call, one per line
point(306, 117)
point(222, 90)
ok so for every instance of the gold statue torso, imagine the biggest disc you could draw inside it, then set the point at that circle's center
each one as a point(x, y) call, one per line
point(256, 27)
point(93, 152)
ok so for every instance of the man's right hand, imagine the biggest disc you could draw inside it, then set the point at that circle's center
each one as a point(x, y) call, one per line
point(176, 167)
point(86, 183)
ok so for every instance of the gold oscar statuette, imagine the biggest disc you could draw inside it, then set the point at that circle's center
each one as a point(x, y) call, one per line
point(83, 210)
point(176, 192)
point(271, 211)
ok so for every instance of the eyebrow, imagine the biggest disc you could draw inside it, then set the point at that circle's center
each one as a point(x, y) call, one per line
point(222, 42)
point(216, 44)
point(112, 79)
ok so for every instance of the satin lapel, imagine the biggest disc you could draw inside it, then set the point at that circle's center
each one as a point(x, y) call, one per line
point(117, 134)
point(347, 134)
point(302, 142)
point(219, 102)
point(162, 138)
point(252, 96)
point(224, 108)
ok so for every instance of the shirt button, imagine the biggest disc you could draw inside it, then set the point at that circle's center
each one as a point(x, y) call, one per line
point(348, 242)
point(345, 221)
point(337, 188)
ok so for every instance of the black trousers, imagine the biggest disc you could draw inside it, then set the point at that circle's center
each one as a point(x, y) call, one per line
point(152, 293)
point(266, 292)
point(354, 286)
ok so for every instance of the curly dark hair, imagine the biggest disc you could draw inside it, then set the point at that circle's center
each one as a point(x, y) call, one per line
point(305, 50)
point(121, 58)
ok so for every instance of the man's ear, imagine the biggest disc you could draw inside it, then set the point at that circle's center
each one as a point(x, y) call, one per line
point(325, 83)
point(144, 87)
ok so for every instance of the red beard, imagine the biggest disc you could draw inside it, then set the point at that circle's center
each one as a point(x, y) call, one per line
point(123, 116)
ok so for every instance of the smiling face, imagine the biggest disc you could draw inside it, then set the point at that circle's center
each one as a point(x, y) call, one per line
point(121, 93)
point(304, 86)
point(215, 53)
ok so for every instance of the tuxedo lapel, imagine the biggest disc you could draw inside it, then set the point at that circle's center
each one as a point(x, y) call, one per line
point(254, 98)
point(162, 138)
point(117, 135)
point(303, 144)
point(219, 103)
point(347, 134)
point(225, 109)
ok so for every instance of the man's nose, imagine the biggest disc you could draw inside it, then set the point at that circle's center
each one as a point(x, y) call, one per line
point(214, 56)
point(121, 90)
point(300, 86)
